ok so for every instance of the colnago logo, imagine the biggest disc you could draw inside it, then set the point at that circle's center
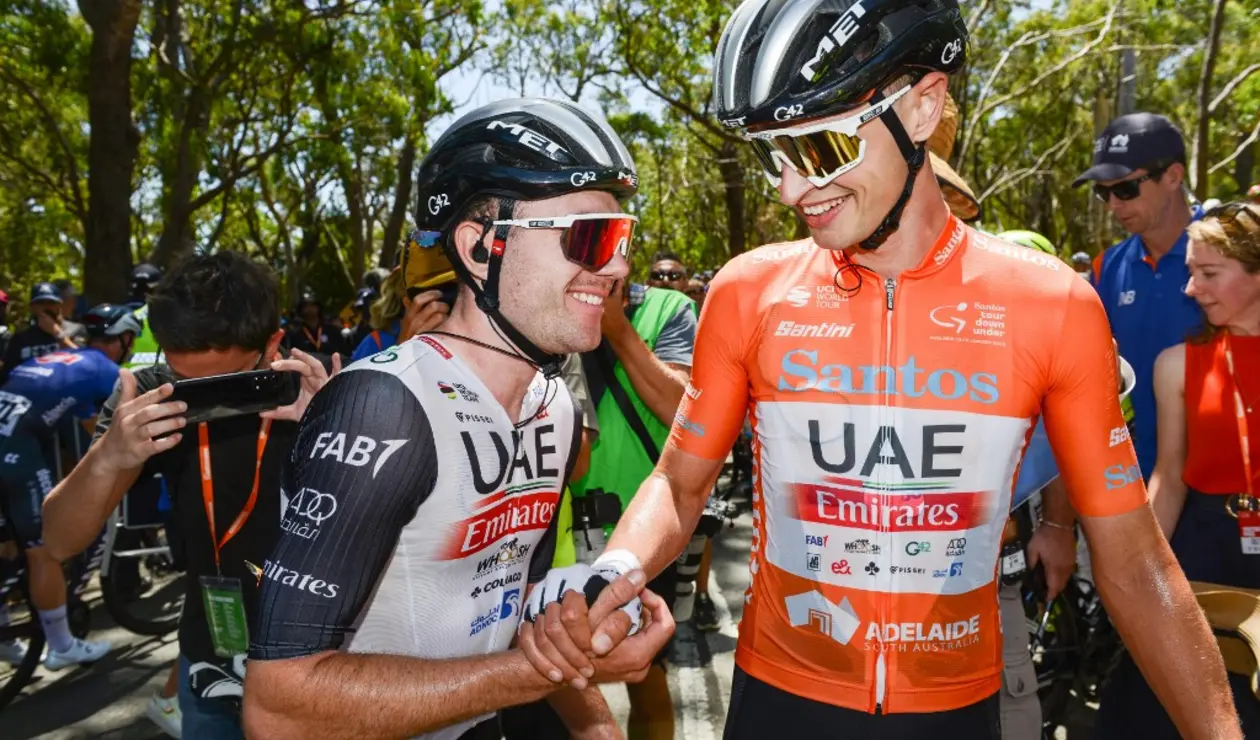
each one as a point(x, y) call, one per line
point(801, 372)
point(511, 515)
point(844, 503)
point(836, 36)
point(495, 584)
point(1023, 254)
point(825, 330)
point(529, 138)
point(946, 635)
point(301, 581)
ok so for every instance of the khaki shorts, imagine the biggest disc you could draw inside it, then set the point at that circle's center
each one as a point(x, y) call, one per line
point(1021, 708)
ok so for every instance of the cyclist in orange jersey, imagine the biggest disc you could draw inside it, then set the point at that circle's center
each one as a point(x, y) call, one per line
point(895, 365)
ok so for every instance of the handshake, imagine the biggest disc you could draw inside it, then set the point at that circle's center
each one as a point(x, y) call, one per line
point(589, 624)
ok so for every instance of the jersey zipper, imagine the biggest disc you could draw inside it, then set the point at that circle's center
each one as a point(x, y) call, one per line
point(885, 537)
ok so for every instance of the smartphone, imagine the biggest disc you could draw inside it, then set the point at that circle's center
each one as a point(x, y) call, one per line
point(236, 394)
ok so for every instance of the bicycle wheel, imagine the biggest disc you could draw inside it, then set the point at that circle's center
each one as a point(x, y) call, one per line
point(22, 624)
point(143, 593)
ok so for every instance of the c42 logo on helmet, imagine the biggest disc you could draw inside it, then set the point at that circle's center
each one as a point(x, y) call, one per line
point(438, 202)
point(951, 51)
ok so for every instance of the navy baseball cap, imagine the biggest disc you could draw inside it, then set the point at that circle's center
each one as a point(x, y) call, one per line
point(1132, 142)
point(45, 293)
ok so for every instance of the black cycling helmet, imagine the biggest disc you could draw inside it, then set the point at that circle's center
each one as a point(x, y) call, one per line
point(143, 277)
point(111, 320)
point(519, 149)
point(792, 60)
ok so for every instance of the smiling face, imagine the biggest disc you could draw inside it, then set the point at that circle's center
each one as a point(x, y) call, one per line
point(1225, 272)
point(554, 302)
point(849, 209)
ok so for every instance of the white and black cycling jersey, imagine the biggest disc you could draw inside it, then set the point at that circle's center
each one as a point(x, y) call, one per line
point(417, 513)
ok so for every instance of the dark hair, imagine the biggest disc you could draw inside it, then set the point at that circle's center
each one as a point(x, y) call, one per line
point(666, 255)
point(215, 301)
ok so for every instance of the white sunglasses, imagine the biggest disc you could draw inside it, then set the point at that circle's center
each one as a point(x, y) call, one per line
point(818, 152)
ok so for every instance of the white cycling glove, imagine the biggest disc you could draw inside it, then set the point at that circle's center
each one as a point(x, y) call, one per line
point(589, 580)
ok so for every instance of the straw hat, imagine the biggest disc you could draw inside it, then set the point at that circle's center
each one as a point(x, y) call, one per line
point(958, 194)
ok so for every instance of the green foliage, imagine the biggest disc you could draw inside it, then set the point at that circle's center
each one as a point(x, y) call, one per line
point(277, 128)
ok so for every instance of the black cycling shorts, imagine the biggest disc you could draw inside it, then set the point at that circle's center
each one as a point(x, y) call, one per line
point(26, 478)
point(759, 710)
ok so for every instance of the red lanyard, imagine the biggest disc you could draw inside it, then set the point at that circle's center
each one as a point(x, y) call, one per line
point(315, 339)
point(1240, 410)
point(207, 485)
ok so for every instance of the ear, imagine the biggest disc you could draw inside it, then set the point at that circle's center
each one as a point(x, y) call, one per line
point(1176, 174)
point(927, 103)
point(468, 234)
point(273, 345)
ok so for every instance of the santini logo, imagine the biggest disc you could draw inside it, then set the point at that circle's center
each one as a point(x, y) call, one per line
point(801, 372)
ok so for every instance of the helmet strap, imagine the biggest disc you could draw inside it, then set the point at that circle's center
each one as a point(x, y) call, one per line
point(487, 293)
point(915, 157)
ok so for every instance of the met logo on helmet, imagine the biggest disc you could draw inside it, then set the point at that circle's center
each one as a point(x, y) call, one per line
point(529, 138)
point(836, 36)
point(801, 373)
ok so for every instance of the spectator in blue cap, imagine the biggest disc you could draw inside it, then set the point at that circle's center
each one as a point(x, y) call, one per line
point(1139, 172)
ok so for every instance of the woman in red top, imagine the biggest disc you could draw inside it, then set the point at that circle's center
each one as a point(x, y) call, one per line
point(1207, 394)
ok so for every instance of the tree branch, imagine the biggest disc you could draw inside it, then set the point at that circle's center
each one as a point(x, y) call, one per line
point(1255, 135)
point(984, 105)
point(1229, 88)
point(72, 168)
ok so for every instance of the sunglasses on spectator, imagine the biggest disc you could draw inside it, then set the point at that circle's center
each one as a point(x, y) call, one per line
point(667, 275)
point(590, 239)
point(1229, 216)
point(1128, 189)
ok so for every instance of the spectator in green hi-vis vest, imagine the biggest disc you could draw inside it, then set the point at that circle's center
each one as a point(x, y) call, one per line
point(636, 378)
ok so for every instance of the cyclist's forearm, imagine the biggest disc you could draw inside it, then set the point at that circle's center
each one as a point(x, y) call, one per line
point(1055, 505)
point(585, 713)
point(352, 695)
point(78, 506)
point(659, 522)
point(1155, 612)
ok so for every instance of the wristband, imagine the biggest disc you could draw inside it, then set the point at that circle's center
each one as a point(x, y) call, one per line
point(619, 561)
point(1056, 525)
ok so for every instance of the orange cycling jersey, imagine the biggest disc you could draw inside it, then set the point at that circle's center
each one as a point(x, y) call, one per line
point(889, 424)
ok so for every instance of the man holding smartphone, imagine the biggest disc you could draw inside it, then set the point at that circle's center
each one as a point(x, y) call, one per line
point(224, 475)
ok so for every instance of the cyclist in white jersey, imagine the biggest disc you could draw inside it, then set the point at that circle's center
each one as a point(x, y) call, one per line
point(424, 482)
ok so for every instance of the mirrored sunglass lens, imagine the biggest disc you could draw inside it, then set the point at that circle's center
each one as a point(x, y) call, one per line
point(829, 151)
point(763, 150)
point(593, 243)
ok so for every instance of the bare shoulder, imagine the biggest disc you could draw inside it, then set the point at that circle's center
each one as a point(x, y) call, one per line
point(1170, 370)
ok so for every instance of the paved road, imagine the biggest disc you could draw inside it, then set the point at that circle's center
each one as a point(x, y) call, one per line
point(108, 700)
